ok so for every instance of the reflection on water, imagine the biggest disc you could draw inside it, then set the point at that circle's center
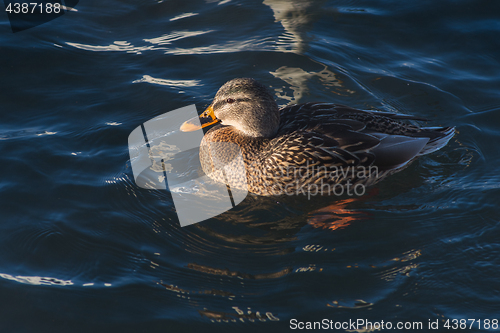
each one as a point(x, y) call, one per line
point(391, 273)
point(335, 216)
point(359, 303)
point(121, 46)
point(227, 272)
point(176, 35)
point(219, 316)
point(215, 292)
point(298, 81)
point(38, 280)
point(338, 215)
point(253, 44)
point(176, 84)
point(296, 18)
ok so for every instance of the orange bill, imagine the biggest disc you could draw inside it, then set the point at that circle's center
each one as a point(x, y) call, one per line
point(207, 118)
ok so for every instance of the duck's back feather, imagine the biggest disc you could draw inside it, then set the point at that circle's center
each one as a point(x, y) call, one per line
point(347, 125)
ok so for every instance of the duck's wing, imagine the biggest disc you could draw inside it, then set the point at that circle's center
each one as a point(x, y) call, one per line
point(311, 156)
point(307, 116)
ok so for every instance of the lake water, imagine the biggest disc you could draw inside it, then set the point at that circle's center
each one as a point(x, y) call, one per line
point(84, 249)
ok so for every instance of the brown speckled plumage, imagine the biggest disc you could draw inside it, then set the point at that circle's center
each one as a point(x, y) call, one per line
point(300, 145)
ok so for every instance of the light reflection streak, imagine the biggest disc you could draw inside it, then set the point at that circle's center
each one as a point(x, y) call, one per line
point(37, 280)
point(165, 82)
point(45, 281)
point(181, 16)
point(175, 36)
point(116, 46)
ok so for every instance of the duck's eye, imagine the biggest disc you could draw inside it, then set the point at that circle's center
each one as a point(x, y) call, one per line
point(230, 100)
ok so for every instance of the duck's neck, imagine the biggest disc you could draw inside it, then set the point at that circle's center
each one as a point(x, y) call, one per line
point(250, 146)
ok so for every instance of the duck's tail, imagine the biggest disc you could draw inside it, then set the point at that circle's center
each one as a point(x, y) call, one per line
point(396, 151)
point(438, 138)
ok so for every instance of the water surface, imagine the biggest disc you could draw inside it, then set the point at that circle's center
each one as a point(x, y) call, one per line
point(84, 249)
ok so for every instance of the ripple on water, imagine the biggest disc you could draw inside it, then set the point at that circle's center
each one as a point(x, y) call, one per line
point(421, 244)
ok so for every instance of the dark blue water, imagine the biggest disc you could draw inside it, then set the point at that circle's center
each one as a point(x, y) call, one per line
point(83, 249)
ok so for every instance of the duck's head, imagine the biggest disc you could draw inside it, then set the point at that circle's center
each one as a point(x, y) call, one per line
point(244, 104)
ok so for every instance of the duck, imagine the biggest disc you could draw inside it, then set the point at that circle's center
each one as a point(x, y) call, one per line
point(300, 148)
